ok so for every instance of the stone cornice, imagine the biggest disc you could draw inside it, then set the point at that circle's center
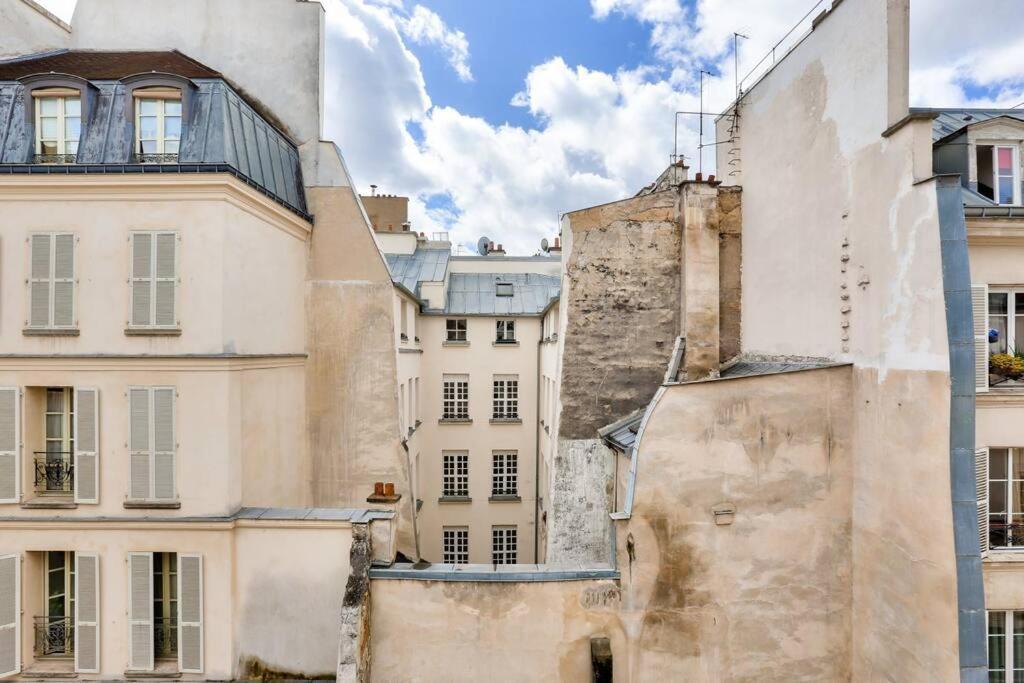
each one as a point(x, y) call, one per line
point(186, 363)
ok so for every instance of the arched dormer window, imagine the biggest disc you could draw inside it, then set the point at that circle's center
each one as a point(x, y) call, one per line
point(57, 108)
point(158, 113)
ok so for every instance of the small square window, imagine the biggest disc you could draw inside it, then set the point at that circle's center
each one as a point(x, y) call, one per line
point(506, 332)
point(455, 329)
point(503, 289)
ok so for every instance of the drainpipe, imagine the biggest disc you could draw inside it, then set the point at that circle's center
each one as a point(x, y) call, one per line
point(536, 452)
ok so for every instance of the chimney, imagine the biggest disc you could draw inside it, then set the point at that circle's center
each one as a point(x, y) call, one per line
point(495, 250)
point(556, 248)
point(373, 190)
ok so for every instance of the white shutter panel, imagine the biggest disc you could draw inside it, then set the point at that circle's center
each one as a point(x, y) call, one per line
point(166, 272)
point(10, 615)
point(63, 280)
point(142, 283)
point(139, 442)
point(87, 612)
point(979, 302)
point(163, 443)
point(10, 444)
point(87, 445)
point(140, 611)
point(981, 483)
point(190, 613)
point(39, 281)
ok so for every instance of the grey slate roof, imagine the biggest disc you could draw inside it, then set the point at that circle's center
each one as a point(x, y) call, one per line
point(424, 265)
point(753, 368)
point(949, 121)
point(476, 293)
point(621, 435)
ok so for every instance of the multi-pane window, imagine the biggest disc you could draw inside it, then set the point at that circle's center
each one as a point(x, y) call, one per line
point(455, 329)
point(51, 280)
point(504, 545)
point(157, 127)
point(58, 126)
point(1006, 316)
point(504, 473)
point(455, 397)
point(998, 175)
point(1006, 498)
point(154, 279)
point(1006, 647)
point(455, 545)
point(506, 397)
point(455, 475)
point(506, 333)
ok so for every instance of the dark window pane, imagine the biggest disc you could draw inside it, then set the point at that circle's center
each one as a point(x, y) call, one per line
point(997, 303)
point(997, 497)
point(997, 463)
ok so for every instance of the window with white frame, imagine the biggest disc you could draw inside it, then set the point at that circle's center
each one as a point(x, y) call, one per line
point(506, 397)
point(504, 473)
point(506, 332)
point(455, 544)
point(455, 397)
point(504, 544)
point(1006, 498)
point(455, 474)
point(157, 124)
point(999, 172)
point(51, 280)
point(58, 124)
point(1006, 646)
point(154, 279)
point(455, 329)
point(1006, 316)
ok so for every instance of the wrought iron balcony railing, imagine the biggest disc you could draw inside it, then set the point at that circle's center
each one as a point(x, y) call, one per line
point(140, 158)
point(165, 637)
point(54, 472)
point(1003, 535)
point(54, 636)
point(55, 158)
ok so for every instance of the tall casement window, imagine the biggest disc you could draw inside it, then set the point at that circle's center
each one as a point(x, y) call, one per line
point(506, 397)
point(455, 474)
point(504, 544)
point(152, 443)
point(455, 330)
point(1005, 647)
point(1006, 315)
point(504, 473)
point(51, 280)
point(455, 397)
point(58, 124)
point(157, 124)
point(55, 630)
point(506, 332)
point(165, 610)
point(1005, 497)
point(999, 173)
point(154, 280)
point(455, 545)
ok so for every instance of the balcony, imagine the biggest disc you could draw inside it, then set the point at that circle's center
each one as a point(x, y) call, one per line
point(1003, 536)
point(54, 636)
point(165, 637)
point(54, 473)
point(140, 158)
point(55, 159)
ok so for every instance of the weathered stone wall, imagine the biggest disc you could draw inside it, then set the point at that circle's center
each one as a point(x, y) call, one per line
point(582, 480)
point(730, 260)
point(354, 638)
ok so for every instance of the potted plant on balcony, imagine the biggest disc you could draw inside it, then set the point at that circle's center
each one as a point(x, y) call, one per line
point(1009, 367)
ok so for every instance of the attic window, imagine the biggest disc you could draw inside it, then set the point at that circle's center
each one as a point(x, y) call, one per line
point(503, 288)
point(999, 173)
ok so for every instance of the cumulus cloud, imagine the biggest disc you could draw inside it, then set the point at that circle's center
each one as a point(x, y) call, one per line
point(425, 27)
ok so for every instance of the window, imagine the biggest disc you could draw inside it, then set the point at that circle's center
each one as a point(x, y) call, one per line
point(165, 605)
point(455, 541)
point(506, 332)
point(455, 397)
point(58, 127)
point(152, 446)
point(455, 475)
point(503, 545)
point(51, 280)
point(998, 173)
point(506, 397)
point(54, 472)
point(504, 473)
point(1005, 654)
point(55, 635)
point(456, 330)
point(154, 280)
point(1006, 316)
point(157, 124)
point(404, 335)
point(416, 400)
point(1006, 498)
point(165, 610)
point(503, 289)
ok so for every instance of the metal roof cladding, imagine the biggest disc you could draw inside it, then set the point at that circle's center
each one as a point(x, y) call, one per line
point(96, 65)
point(950, 121)
point(477, 293)
point(423, 265)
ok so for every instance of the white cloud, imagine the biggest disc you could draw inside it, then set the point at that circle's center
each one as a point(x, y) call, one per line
point(425, 27)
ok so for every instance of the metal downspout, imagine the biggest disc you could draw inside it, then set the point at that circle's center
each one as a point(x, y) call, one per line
point(536, 452)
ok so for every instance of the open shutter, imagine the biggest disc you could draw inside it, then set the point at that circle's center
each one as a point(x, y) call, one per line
point(10, 615)
point(190, 613)
point(163, 443)
point(10, 444)
point(141, 451)
point(165, 281)
point(63, 280)
point(87, 613)
point(87, 445)
point(142, 279)
point(979, 302)
point(140, 611)
point(981, 483)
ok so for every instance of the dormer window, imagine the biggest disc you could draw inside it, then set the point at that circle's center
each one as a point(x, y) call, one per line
point(999, 173)
point(58, 124)
point(157, 124)
point(503, 289)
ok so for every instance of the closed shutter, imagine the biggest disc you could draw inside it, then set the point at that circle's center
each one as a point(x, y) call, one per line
point(10, 615)
point(142, 279)
point(154, 279)
point(163, 443)
point(39, 281)
point(139, 444)
point(190, 613)
point(152, 443)
point(87, 445)
point(87, 613)
point(140, 611)
point(64, 280)
point(10, 443)
point(981, 483)
point(165, 281)
point(979, 302)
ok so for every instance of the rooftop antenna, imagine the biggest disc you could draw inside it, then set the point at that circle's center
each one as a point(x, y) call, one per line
point(700, 126)
point(1017, 106)
point(736, 59)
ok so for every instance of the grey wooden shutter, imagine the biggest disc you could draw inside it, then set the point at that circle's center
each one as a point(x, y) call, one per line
point(10, 443)
point(87, 612)
point(190, 613)
point(163, 443)
point(981, 483)
point(142, 279)
point(139, 442)
point(140, 611)
point(39, 280)
point(979, 302)
point(165, 280)
point(10, 615)
point(87, 445)
point(63, 280)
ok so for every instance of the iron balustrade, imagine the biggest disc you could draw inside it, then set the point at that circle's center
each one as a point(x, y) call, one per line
point(147, 158)
point(1003, 535)
point(54, 636)
point(54, 472)
point(165, 637)
point(55, 159)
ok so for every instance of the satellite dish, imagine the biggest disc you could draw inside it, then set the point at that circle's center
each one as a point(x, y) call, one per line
point(544, 245)
point(482, 244)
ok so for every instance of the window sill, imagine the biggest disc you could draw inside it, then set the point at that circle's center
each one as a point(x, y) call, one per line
point(455, 421)
point(506, 420)
point(50, 331)
point(152, 505)
point(506, 498)
point(454, 499)
point(499, 343)
point(152, 331)
point(157, 672)
point(454, 343)
point(402, 349)
point(49, 503)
